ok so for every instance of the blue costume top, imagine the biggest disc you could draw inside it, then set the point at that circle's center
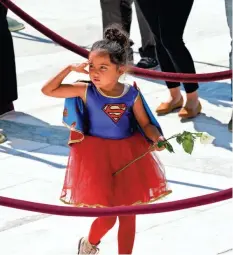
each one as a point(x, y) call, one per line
point(104, 116)
point(111, 117)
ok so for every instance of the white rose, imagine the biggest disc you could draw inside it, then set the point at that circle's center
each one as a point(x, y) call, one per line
point(206, 138)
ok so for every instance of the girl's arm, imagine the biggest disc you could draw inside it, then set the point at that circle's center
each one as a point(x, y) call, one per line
point(143, 120)
point(54, 88)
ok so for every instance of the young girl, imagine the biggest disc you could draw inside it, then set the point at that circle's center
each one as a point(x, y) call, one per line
point(113, 133)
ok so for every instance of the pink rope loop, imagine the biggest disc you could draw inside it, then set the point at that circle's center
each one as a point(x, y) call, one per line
point(175, 77)
point(117, 211)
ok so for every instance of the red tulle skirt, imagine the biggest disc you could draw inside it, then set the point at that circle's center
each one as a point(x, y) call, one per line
point(103, 172)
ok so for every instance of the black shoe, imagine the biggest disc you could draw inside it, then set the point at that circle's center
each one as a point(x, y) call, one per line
point(147, 63)
point(6, 109)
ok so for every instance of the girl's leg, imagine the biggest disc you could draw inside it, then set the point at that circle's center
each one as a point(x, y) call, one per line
point(126, 234)
point(99, 228)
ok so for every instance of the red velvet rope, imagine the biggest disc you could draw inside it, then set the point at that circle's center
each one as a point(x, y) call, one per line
point(117, 211)
point(176, 77)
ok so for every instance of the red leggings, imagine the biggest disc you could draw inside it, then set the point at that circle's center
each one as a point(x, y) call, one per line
point(126, 231)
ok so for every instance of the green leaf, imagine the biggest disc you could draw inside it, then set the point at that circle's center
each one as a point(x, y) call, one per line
point(184, 133)
point(188, 136)
point(169, 147)
point(188, 145)
point(179, 139)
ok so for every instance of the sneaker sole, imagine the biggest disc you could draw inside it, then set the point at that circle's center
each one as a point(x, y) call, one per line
point(16, 29)
point(79, 245)
point(150, 68)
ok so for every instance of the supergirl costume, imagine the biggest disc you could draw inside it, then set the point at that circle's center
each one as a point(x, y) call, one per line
point(110, 161)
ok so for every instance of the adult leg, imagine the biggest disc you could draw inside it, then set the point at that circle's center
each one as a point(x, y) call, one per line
point(151, 11)
point(8, 83)
point(147, 50)
point(126, 234)
point(172, 22)
point(126, 14)
point(228, 8)
point(111, 12)
point(119, 12)
point(172, 30)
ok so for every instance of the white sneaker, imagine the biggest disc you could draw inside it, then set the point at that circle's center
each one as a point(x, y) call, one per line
point(84, 247)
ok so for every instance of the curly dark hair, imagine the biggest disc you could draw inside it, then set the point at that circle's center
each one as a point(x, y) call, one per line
point(115, 43)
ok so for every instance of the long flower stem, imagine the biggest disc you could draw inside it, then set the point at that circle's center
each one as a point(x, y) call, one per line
point(174, 136)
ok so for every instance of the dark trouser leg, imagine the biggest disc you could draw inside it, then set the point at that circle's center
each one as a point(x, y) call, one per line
point(8, 84)
point(228, 8)
point(147, 38)
point(172, 30)
point(168, 30)
point(150, 11)
point(117, 11)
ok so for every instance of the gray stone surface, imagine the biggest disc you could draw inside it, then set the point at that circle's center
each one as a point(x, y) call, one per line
point(41, 134)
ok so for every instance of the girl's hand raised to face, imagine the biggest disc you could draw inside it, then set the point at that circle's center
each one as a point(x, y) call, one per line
point(79, 68)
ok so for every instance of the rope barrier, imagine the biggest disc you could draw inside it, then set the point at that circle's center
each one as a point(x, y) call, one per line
point(120, 210)
point(175, 77)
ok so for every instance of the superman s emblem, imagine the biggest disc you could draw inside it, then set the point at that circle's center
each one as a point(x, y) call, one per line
point(115, 111)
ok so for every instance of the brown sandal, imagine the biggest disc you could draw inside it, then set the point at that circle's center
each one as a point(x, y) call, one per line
point(187, 113)
point(165, 108)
